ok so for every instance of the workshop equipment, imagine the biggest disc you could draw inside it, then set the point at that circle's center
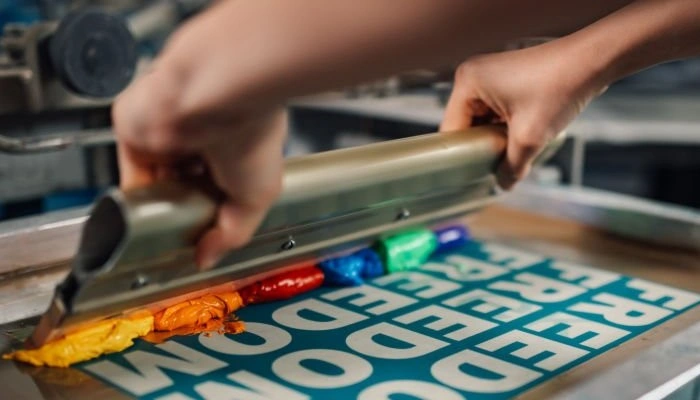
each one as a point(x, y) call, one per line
point(137, 247)
point(62, 63)
point(375, 190)
point(76, 64)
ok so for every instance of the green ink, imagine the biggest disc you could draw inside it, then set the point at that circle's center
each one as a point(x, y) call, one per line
point(406, 250)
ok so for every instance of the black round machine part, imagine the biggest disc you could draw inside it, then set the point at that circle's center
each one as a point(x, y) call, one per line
point(93, 53)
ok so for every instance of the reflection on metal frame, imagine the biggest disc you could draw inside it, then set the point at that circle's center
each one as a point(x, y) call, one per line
point(631, 217)
point(55, 141)
point(654, 374)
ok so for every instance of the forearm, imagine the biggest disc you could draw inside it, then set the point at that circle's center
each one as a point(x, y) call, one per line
point(642, 34)
point(280, 49)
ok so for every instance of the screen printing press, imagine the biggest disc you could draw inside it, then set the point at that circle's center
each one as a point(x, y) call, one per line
point(559, 293)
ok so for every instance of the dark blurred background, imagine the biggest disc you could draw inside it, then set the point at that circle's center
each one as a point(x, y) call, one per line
point(641, 138)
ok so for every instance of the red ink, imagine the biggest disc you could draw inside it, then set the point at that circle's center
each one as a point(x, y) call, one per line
point(283, 286)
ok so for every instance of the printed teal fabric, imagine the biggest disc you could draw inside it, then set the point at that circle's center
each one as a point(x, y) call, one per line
point(483, 321)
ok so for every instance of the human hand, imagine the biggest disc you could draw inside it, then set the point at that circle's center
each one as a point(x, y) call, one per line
point(536, 91)
point(241, 153)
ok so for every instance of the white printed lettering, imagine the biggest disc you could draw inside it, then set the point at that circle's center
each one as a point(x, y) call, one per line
point(446, 318)
point(274, 338)
point(511, 258)
point(425, 286)
point(561, 354)
point(290, 317)
point(466, 269)
point(622, 311)
point(150, 376)
point(416, 389)
point(354, 368)
point(493, 305)
point(584, 276)
point(509, 376)
point(254, 388)
point(174, 396)
point(577, 327)
point(367, 295)
point(538, 288)
point(677, 299)
point(364, 342)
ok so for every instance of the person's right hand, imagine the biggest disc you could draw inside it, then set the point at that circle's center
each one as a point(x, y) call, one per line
point(536, 91)
point(241, 154)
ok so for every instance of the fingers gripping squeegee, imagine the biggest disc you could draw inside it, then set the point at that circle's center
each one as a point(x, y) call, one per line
point(137, 247)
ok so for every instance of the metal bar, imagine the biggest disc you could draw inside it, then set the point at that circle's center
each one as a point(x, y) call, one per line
point(639, 219)
point(55, 142)
point(653, 374)
point(33, 243)
point(162, 15)
point(578, 160)
point(329, 199)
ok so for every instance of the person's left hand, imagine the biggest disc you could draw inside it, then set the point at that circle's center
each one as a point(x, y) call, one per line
point(536, 91)
point(240, 154)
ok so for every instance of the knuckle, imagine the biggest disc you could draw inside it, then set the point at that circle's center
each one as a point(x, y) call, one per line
point(532, 146)
point(468, 69)
point(529, 143)
point(165, 132)
point(163, 141)
point(160, 131)
point(464, 72)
